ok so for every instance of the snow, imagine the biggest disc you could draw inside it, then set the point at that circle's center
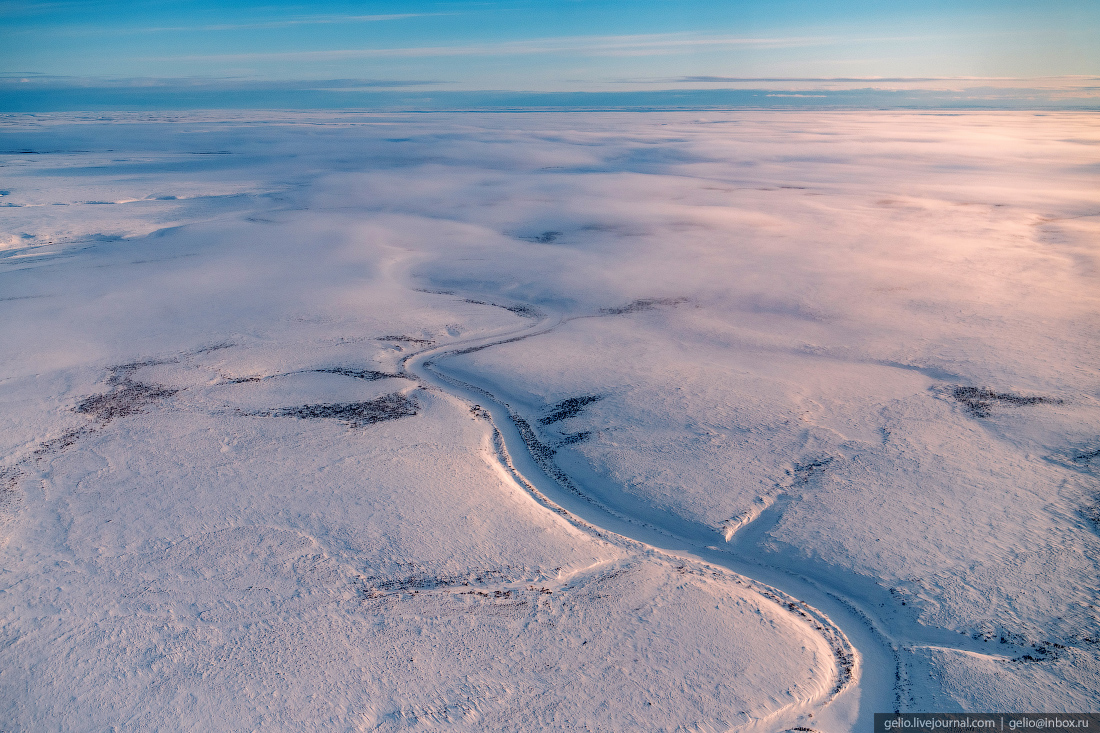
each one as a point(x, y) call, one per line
point(846, 359)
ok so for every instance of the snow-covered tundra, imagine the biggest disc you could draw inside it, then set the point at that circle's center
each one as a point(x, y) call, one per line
point(547, 421)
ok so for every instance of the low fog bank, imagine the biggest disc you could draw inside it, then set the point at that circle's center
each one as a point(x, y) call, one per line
point(859, 347)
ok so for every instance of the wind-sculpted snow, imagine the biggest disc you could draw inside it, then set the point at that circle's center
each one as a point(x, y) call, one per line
point(854, 351)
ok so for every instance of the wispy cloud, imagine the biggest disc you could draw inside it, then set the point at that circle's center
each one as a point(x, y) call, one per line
point(856, 79)
point(32, 80)
point(1074, 84)
point(1079, 82)
point(736, 79)
point(287, 22)
point(215, 28)
point(19, 7)
point(625, 45)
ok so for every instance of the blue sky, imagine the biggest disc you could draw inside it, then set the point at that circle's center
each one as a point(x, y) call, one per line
point(535, 45)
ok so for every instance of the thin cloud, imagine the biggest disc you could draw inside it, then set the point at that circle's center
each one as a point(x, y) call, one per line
point(1073, 85)
point(653, 44)
point(736, 79)
point(309, 20)
point(9, 80)
point(17, 8)
point(218, 27)
point(857, 79)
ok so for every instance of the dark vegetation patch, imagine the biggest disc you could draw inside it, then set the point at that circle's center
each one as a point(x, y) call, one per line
point(123, 373)
point(25, 297)
point(1087, 456)
point(804, 472)
point(9, 480)
point(541, 452)
point(567, 408)
point(215, 347)
point(60, 443)
point(127, 396)
point(1091, 512)
point(406, 339)
point(356, 414)
point(1004, 636)
point(368, 374)
point(543, 455)
point(525, 311)
point(642, 304)
point(126, 399)
point(496, 593)
point(1033, 651)
point(901, 596)
point(544, 238)
point(979, 401)
point(378, 586)
point(472, 349)
point(1042, 652)
point(9, 488)
point(571, 438)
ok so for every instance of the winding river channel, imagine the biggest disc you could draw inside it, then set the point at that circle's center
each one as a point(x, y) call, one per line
point(870, 671)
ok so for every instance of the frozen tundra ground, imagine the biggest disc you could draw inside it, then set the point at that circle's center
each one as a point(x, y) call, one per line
point(592, 421)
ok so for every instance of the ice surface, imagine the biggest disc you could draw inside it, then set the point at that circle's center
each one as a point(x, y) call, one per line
point(854, 351)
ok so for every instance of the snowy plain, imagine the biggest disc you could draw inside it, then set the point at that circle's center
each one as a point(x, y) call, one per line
point(547, 421)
